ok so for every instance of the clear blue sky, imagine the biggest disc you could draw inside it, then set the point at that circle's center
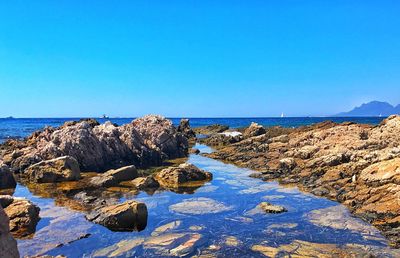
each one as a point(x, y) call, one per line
point(196, 58)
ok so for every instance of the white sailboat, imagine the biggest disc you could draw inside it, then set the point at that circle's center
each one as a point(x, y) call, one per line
point(282, 115)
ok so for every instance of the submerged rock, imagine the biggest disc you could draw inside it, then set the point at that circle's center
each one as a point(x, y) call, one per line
point(60, 169)
point(146, 141)
point(8, 245)
point(127, 216)
point(173, 244)
point(23, 215)
point(114, 176)
point(167, 227)
point(199, 206)
point(183, 175)
point(124, 248)
point(7, 179)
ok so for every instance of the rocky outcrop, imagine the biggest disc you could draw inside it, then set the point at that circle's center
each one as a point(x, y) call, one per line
point(185, 175)
point(127, 216)
point(184, 128)
point(23, 215)
point(146, 141)
point(211, 129)
point(60, 169)
point(8, 245)
point(7, 179)
point(254, 130)
point(114, 176)
point(355, 164)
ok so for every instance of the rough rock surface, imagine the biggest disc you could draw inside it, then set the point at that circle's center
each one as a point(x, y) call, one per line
point(8, 245)
point(114, 176)
point(7, 180)
point(60, 169)
point(23, 215)
point(184, 175)
point(270, 208)
point(146, 141)
point(211, 129)
point(254, 130)
point(145, 183)
point(127, 216)
point(355, 164)
point(184, 128)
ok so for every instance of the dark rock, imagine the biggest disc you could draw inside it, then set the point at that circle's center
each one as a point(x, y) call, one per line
point(8, 245)
point(7, 179)
point(184, 128)
point(127, 216)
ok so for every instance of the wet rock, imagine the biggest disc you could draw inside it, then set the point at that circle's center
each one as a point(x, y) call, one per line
point(23, 215)
point(8, 245)
point(127, 216)
point(144, 142)
point(199, 206)
point(184, 128)
point(271, 208)
point(194, 151)
point(254, 130)
point(173, 244)
point(143, 183)
point(7, 179)
point(231, 241)
point(124, 248)
point(183, 175)
point(167, 227)
point(60, 169)
point(114, 176)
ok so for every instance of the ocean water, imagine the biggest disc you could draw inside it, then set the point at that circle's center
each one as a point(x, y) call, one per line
point(22, 127)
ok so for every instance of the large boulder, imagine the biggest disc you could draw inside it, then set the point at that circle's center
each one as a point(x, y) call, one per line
point(8, 245)
point(114, 176)
point(127, 216)
point(144, 142)
point(7, 179)
point(254, 130)
point(60, 169)
point(23, 215)
point(185, 175)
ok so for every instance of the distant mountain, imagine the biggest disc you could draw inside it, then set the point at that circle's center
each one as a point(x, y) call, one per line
point(373, 108)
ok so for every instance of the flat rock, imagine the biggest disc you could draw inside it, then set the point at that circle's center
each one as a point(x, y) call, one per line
point(124, 248)
point(167, 227)
point(199, 206)
point(114, 176)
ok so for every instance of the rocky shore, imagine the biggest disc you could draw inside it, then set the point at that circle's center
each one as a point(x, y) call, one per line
point(355, 164)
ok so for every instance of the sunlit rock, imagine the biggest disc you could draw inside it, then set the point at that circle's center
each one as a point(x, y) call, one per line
point(181, 176)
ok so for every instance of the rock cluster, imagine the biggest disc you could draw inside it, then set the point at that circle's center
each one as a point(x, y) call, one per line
point(146, 141)
point(358, 165)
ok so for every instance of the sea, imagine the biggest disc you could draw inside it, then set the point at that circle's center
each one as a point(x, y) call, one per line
point(16, 128)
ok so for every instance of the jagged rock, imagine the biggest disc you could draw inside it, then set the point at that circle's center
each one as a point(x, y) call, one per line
point(352, 163)
point(146, 141)
point(7, 179)
point(194, 151)
point(114, 176)
point(8, 245)
point(183, 175)
point(127, 216)
point(60, 169)
point(254, 130)
point(145, 183)
point(184, 128)
point(23, 215)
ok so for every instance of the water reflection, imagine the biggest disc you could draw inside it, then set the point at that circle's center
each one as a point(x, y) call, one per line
point(213, 219)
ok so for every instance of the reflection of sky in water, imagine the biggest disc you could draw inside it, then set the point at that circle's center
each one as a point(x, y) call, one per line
point(232, 187)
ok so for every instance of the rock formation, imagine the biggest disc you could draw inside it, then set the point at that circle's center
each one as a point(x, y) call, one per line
point(184, 128)
point(355, 164)
point(7, 180)
point(146, 141)
point(114, 176)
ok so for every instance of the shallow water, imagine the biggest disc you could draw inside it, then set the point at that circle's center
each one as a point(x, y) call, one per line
point(219, 218)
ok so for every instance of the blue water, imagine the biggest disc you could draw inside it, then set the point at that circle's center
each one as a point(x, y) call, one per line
point(22, 127)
